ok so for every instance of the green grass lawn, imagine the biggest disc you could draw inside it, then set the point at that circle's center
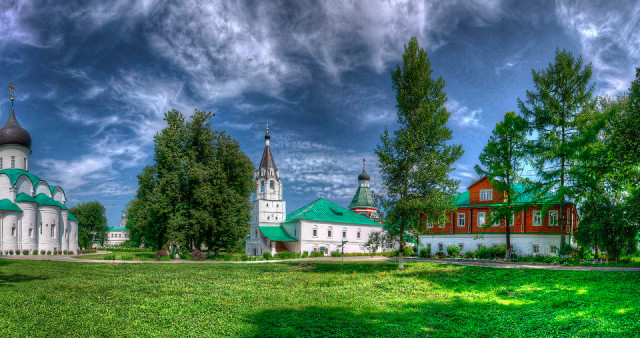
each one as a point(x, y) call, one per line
point(137, 256)
point(43, 298)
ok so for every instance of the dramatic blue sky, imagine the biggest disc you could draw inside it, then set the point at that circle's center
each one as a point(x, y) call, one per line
point(93, 80)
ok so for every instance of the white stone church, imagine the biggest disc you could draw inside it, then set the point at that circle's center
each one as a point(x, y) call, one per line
point(33, 215)
point(318, 226)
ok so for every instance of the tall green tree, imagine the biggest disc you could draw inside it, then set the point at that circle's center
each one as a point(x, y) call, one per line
point(92, 223)
point(416, 160)
point(503, 159)
point(562, 93)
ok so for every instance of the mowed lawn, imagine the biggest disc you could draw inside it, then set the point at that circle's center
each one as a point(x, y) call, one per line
point(40, 298)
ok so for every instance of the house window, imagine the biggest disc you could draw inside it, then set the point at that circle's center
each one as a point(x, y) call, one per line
point(513, 220)
point(13, 230)
point(553, 248)
point(486, 194)
point(496, 223)
point(440, 247)
point(315, 231)
point(482, 219)
point(441, 225)
point(344, 233)
point(461, 220)
point(358, 234)
point(13, 161)
point(30, 232)
point(536, 248)
point(537, 218)
point(553, 218)
point(429, 224)
point(480, 246)
point(461, 245)
point(330, 232)
point(429, 246)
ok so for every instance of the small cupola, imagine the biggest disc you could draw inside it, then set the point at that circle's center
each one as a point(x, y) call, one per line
point(12, 133)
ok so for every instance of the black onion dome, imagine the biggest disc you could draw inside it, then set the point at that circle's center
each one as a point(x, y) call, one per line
point(363, 176)
point(12, 133)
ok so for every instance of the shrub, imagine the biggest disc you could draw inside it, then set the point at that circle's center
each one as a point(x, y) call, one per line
point(469, 254)
point(425, 252)
point(25, 252)
point(453, 250)
point(317, 254)
point(110, 257)
point(287, 255)
point(267, 255)
point(407, 251)
point(11, 252)
point(496, 251)
point(440, 254)
point(198, 255)
point(393, 253)
point(160, 254)
point(126, 257)
point(42, 252)
point(335, 253)
point(305, 254)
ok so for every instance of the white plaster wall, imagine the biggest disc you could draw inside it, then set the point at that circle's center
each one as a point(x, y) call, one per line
point(20, 154)
point(73, 236)
point(43, 188)
point(355, 244)
point(522, 243)
point(9, 242)
point(271, 211)
point(49, 215)
point(6, 188)
point(58, 195)
point(28, 221)
point(63, 240)
point(24, 185)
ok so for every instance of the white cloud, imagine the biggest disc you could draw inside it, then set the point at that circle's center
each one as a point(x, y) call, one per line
point(462, 115)
point(610, 38)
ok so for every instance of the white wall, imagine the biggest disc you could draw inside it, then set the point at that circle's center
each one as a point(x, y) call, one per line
point(24, 185)
point(308, 242)
point(43, 188)
point(19, 153)
point(522, 243)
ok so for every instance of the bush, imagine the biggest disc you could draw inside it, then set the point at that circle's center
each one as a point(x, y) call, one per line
point(585, 253)
point(469, 254)
point(425, 252)
point(42, 252)
point(305, 254)
point(440, 254)
point(25, 252)
point(287, 255)
point(110, 257)
point(198, 255)
point(11, 252)
point(126, 257)
point(453, 250)
point(335, 253)
point(407, 251)
point(390, 254)
point(317, 254)
point(267, 256)
point(496, 251)
point(161, 254)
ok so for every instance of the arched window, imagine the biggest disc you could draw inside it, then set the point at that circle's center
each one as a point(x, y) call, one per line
point(358, 234)
point(271, 186)
point(53, 230)
point(262, 186)
point(344, 232)
point(271, 171)
point(330, 232)
point(315, 231)
point(263, 172)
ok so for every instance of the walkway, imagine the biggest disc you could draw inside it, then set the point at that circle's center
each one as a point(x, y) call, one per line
point(500, 265)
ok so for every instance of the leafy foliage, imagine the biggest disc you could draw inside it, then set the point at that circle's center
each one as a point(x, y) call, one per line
point(92, 223)
point(416, 160)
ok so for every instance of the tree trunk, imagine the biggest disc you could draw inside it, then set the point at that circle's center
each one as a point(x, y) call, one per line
point(507, 223)
point(401, 251)
point(562, 165)
point(596, 245)
point(217, 252)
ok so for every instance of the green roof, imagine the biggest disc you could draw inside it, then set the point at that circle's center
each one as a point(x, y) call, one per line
point(22, 197)
point(62, 206)
point(363, 199)
point(14, 174)
point(7, 205)
point(71, 217)
point(325, 211)
point(276, 234)
point(43, 199)
point(117, 229)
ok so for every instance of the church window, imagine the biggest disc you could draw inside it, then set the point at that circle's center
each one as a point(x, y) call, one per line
point(330, 232)
point(53, 230)
point(271, 186)
point(277, 205)
point(261, 186)
point(315, 231)
point(13, 161)
point(267, 205)
point(276, 218)
point(344, 233)
point(271, 171)
point(30, 232)
point(263, 172)
point(41, 228)
point(1, 166)
point(13, 230)
point(25, 163)
point(358, 234)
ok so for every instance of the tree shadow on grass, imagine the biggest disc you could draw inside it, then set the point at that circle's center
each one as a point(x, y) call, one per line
point(10, 279)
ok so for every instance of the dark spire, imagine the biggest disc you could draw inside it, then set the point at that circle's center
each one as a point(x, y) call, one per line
point(364, 175)
point(267, 168)
point(11, 132)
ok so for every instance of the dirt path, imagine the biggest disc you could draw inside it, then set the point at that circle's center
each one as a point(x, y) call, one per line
point(501, 265)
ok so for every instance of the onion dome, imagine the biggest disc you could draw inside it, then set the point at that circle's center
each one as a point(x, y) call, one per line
point(12, 134)
point(364, 176)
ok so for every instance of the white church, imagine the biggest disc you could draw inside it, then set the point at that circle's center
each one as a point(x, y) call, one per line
point(318, 226)
point(33, 215)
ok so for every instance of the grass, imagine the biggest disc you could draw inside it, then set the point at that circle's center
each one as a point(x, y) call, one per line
point(124, 255)
point(45, 298)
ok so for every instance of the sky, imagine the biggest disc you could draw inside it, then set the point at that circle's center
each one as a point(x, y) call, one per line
point(93, 79)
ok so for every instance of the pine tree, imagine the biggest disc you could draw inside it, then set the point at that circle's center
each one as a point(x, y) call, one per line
point(416, 161)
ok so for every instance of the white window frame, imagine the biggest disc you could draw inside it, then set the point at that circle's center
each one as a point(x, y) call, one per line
point(461, 245)
point(463, 218)
point(314, 231)
point(553, 249)
point(535, 248)
point(344, 233)
point(555, 213)
point(496, 224)
point(484, 218)
point(440, 247)
point(429, 224)
point(536, 215)
point(330, 232)
point(486, 194)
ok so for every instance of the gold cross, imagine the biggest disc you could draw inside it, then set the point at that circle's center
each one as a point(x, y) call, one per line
point(11, 89)
point(364, 163)
point(267, 126)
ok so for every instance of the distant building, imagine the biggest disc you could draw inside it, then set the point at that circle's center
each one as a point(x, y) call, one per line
point(531, 232)
point(118, 235)
point(318, 226)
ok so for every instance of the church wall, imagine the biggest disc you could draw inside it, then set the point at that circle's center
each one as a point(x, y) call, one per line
point(9, 231)
point(24, 185)
point(5, 188)
point(49, 216)
point(73, 236)
point(58, 195)
point(355, 243)
point(43, 188)
point(19, 153)
point(271, 211)
point(28, 221)
point(64, 223)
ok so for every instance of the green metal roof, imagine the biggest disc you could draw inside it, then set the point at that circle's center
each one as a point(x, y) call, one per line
point(363, 199)
point(22, 197)
point(43, 199)
point(7, 205)
point(117, 229)
point(325, 211)
point(14, 174)
point(62, 206)
point(276, 234)
point(71, 217)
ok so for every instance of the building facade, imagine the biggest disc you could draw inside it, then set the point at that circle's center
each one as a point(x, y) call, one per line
point(33, 215)
point(318, 226)
point(532, 232)
point(118, 234)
